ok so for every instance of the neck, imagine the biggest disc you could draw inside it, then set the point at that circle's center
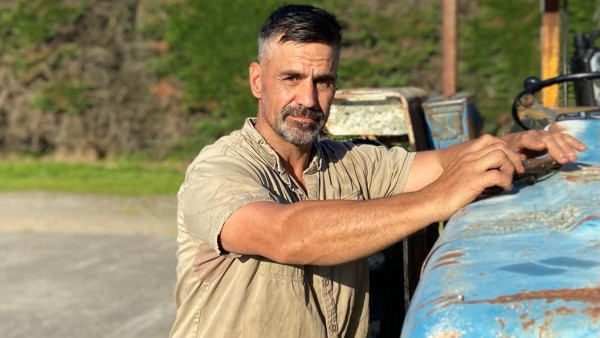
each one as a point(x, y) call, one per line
point(295, 158)
point(295, 161)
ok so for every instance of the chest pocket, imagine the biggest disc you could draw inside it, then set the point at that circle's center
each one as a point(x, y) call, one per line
point(281, 272)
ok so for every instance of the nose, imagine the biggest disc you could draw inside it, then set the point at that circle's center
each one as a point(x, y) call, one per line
point(307, 94)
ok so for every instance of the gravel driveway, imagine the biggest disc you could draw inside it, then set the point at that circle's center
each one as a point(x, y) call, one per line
point(86, 265)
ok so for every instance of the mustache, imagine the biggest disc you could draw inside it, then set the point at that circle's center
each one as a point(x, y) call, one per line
point(315, 114)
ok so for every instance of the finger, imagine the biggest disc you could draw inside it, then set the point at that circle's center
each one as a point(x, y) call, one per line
point(561, 140)
point(499, 179)
point(559, 148)
point(495, 159)
point(492, 179)
point(532, 140)
point(514, 157)
point(484, 141)
point(507, 165)
point(574, 143)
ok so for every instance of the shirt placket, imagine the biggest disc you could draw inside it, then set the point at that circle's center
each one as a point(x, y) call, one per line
point(324, 282)
point(328, 301)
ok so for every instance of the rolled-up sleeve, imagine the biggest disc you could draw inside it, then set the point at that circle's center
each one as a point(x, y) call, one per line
point(214, 189)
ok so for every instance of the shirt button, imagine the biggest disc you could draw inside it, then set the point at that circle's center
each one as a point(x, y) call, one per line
point(325, 282)
point(333, 328)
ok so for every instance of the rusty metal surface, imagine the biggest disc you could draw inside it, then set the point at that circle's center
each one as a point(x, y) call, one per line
point(374, 111)
point(450, 120)
point(525, 263)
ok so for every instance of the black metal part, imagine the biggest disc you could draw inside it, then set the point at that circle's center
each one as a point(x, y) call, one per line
point(534, 87)
point(585, 60)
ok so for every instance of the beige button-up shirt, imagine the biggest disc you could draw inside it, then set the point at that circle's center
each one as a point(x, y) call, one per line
point(220, 294)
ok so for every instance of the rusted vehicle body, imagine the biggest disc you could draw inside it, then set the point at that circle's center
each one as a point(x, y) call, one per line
point(524, 263)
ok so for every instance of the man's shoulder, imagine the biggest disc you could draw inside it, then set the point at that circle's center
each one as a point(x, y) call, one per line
point(242, 140)
point(340, 149)
point(223, 145)
point(238, 149)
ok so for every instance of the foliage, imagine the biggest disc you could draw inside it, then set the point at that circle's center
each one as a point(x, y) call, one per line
point(499, 48)
point(212, 58)
point(383, 46)
point(74, 81)
point(116, 179)
point(32, 21)
point(85, 64)
point(24, 24)
point(390, 49)
point(64, 97)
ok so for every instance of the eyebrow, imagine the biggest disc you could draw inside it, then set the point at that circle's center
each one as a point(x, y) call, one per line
point(291, 73)
point(325, 78)
point(318, 78)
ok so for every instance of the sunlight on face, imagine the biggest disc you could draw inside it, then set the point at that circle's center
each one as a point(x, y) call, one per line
point(303, 130)
point(298, 86)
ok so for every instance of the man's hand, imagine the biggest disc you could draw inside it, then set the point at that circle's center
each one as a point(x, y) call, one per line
point(455, 176)
point(561, 147)
point(468, 169)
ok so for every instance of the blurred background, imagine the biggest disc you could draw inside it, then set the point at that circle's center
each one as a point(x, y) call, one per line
point(103, 103)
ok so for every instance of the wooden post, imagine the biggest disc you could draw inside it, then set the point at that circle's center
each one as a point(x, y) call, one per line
point(550, 49)
point(449, 50)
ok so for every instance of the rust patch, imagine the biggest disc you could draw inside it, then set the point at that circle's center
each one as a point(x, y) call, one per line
point(528, 324)
point(451, 255)
point(439, 300)
point(585, 220)
point(593, 313)
point(445, 263)
point(502, 324)
point(448, 259)
point(584, 174)
point(563, 311)
point(545, 328)
point(584, 295)
point(523, 316)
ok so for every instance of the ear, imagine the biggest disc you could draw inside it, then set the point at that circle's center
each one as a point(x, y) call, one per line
point(255, 79)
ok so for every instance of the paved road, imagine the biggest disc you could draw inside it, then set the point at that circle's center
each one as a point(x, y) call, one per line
point(86, 266)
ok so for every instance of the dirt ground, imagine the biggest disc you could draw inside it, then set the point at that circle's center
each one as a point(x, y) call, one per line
point(86, 265)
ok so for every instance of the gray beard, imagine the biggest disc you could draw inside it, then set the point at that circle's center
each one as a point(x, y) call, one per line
point(299, 133)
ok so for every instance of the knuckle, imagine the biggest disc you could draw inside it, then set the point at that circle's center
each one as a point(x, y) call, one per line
point(534, 133)
point(487, 138)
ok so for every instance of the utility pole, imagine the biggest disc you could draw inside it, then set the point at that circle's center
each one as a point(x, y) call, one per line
point(550, 39)
point(449, 48)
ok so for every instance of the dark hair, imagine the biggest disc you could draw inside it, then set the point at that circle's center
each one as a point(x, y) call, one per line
point(301, 23)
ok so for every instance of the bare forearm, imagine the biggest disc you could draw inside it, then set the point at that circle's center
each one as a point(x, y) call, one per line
point(329, 232)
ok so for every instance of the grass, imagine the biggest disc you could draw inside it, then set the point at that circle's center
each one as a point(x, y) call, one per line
point(112, 179)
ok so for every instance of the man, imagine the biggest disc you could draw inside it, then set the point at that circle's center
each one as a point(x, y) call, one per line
point(275, 226)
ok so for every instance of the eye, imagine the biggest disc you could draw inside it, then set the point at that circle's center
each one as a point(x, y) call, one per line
point(325, 85)
point(291, 78)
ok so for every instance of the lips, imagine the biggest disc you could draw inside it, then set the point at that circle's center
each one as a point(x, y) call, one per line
point(302, 114)
point(303, 119)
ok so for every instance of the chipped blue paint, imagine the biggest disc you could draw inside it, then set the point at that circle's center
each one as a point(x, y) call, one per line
point(451, 121)
point(525, 263)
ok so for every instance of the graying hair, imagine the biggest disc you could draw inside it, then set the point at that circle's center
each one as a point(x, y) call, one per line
point(299, 23)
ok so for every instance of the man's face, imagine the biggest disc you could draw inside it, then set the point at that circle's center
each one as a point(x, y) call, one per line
point(297, 86)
